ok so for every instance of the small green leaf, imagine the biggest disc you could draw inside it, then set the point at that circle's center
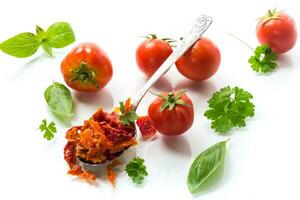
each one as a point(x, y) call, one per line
point(60, 35)
point(47, 48)
point(264, 59)
point(59, 100)
point(207, 168)
point(49, 130)
point(21, 46)
point(127, 117)
point(122, 107)
point(136, 170)
point(40, 33)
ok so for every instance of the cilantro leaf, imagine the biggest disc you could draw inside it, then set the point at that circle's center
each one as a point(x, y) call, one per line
point(127, 117)
point(49, 130)
point(263, 60)
point(229, 108)
point(136, 170)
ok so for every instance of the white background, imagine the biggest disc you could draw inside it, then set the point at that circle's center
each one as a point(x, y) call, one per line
point(263, 158)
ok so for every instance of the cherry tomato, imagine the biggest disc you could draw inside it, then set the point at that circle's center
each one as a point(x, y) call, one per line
point(87, 68)
point(151, 53)
point(171, 113)
point(201, 61)
point(278, 30)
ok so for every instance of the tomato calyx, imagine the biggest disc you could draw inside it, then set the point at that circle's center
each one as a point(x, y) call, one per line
point(171, 99)
point(154, 36)
point(271, 14)
point(84, 74)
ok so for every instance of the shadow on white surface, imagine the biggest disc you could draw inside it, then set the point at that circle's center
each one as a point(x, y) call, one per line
point(162, 84)
point(177, 144)
point(285, 61)
point(203, 88)
point(102, 98)
point(35, 59)
point(24, 65)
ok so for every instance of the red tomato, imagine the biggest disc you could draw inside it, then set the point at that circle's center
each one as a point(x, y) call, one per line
point(201, 61)
point(151, 53)
point(87, 68)
point(278, 30)
point(171, 113)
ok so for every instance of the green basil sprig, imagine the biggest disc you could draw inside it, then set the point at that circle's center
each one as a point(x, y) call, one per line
point(207, 168)
point(26, 44)
point(59, 100)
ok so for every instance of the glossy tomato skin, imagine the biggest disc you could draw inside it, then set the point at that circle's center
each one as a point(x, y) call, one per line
point(150, 54)
point(201, 61)
point(171, 122)
point(279, 33)
point(95, 59)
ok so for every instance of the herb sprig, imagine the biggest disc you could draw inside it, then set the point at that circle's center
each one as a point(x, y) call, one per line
point(136, 170)
point(229, 108)
point(25, 44)
point(48, 129)
point(128, 116)
point(264, 59)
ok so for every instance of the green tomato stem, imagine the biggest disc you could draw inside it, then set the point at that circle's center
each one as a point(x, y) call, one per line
point(84, 74)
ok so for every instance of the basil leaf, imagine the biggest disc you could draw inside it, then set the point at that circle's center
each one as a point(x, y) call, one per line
point(59, 100)
point(60, 35)
point(47, 48)
point(207, 168)
point(21, 46)
point(40, 33)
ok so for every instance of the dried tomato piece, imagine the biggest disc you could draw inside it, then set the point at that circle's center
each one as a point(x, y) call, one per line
point(146, 127)
point(111, 175)
point(72, 133)
point(70, 154)
point(75, 170)
point(128, 104)
point(85, 175)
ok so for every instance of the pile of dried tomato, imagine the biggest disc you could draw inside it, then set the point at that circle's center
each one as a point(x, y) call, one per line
point(101, 138)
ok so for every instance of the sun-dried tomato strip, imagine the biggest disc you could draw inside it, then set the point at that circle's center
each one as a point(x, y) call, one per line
point(70, 154)
point(128, 105)
point(111, 175)
point(146, 128)
point(88, 176)
point(85, 175)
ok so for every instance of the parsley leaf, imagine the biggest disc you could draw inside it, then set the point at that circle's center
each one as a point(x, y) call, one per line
point(49, 130)
point(229, 108)
point(136, 170)
point(263, 60)
point(127, 117)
